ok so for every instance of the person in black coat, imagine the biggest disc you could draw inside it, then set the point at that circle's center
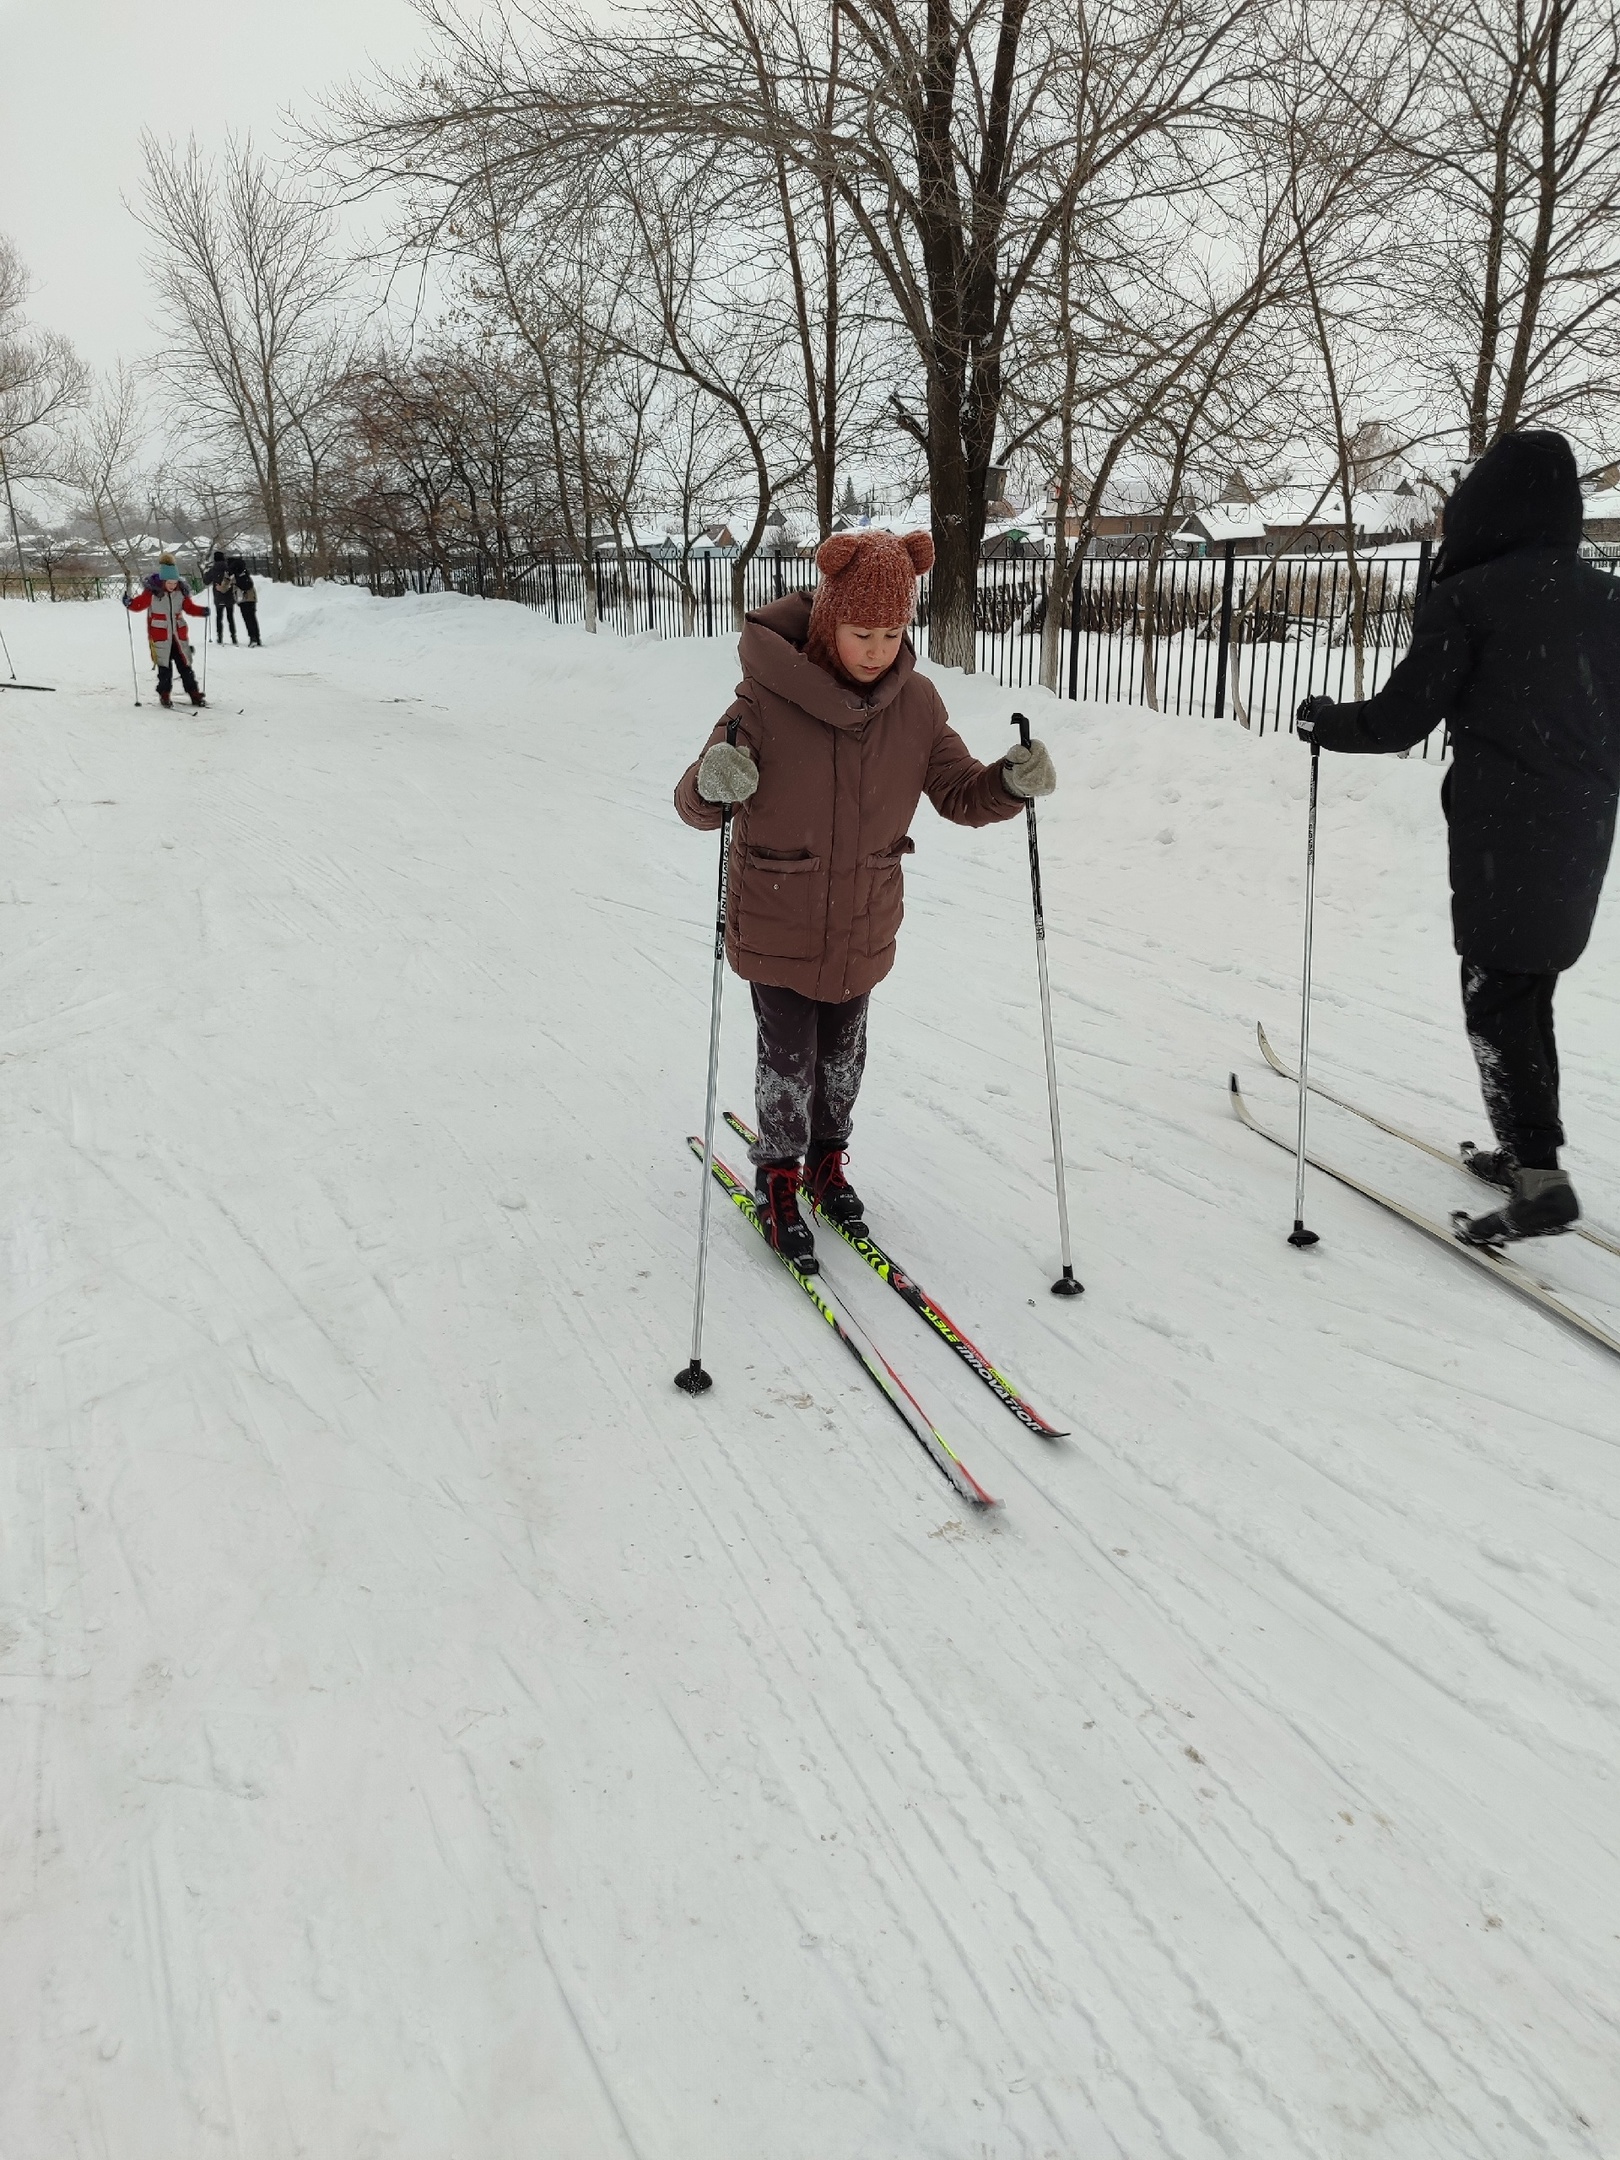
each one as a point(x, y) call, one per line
point(1516, 648)
point(247, 596)
point(222, 585)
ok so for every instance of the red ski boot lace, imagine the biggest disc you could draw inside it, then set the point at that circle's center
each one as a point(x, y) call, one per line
point(781, 1197)
point(828, 1175)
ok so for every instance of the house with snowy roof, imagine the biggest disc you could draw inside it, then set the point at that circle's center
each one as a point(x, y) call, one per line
point(1601, 517)
point(1303, 520)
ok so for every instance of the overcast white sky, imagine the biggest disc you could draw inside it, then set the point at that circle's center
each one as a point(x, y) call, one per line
point(80, 79)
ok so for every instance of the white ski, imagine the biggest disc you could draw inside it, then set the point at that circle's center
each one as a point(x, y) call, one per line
point(1399, 1132)
point(1493, 1263)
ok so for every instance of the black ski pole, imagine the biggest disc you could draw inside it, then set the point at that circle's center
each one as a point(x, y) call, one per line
point(1066, 1285)
point(1299, 1235)
point(6, 649)
point(692, 1379)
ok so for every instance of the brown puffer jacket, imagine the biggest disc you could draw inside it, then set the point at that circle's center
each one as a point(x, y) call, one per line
point(816, 884)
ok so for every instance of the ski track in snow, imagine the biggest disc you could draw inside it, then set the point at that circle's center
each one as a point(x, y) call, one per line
point(426, 1733)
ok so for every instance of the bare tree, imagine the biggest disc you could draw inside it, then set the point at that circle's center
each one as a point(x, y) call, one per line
point(102, 467)
point(704, 316)
point(957, 138)
point(565, 281)
point(42, 383)
point(693, 469)
point(1345, 176)
point(1513, 253)
point(248, 283)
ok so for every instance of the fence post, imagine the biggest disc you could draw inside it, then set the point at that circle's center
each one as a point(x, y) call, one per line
point(1076, 572)
point(1425, 565)
point(708, 598)
point(556, 604)
point(1229, 551)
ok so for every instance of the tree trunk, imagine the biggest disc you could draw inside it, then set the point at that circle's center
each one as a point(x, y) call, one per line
point(1057, 593)
point(958, 523)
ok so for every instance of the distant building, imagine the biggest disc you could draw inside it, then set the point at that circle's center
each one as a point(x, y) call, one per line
point(1301, 521)
point(1601, 517)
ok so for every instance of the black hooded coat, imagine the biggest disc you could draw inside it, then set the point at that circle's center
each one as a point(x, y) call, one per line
point(1517, 649)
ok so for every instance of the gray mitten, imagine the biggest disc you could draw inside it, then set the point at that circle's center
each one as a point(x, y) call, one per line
point(1028, 770)
point(726, 774)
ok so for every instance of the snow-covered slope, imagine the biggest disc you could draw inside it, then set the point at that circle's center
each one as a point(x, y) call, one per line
point(423, 1732)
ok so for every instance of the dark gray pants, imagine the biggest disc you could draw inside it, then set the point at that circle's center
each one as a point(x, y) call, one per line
point(182, 661)
point(811, 1058)
point(1510, 1029)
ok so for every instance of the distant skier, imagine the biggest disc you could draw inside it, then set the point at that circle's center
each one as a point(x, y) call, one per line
point(247, 596)
point(1517, 650)
point(217, 577)
point(838, 737)
point(165, 603)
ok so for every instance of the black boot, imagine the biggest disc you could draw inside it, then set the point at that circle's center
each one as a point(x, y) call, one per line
point(777, 1188)
point(1495, 1165)
point(831, 1193)
point(1543, 1203)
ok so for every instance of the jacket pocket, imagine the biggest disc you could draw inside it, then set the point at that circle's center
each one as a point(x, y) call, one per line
point(881, 897)
point(781, 903)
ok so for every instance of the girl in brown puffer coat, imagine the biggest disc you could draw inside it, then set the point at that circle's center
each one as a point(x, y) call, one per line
point(837, 739)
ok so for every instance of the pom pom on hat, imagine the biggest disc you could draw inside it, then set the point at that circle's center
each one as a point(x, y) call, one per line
point(869, 579)
point(875, 569)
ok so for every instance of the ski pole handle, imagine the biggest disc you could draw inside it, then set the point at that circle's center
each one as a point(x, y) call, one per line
point(1022, 725)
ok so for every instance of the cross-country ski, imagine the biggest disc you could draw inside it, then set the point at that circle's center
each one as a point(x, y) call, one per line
point(1491, 1259)
point(1456, 1157)
point(860, 1240)
point(866, 1354)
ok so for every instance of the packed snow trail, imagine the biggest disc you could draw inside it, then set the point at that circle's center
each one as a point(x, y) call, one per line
point(423, 1731)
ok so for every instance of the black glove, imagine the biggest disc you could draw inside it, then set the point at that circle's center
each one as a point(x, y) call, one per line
point(1311, 710)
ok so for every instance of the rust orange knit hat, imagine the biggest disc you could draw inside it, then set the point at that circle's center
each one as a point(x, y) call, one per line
point(868, 578)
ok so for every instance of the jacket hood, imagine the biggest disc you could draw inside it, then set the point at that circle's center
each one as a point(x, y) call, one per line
point(772, 653)
point(1524, 492)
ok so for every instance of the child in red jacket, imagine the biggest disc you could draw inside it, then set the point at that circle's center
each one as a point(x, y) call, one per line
point(164, 601)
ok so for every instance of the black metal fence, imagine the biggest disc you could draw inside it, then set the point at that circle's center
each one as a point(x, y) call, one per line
point(1229, 635)
point(1247, 636)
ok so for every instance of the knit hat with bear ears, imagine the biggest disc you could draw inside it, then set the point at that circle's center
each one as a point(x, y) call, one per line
point(867, 578)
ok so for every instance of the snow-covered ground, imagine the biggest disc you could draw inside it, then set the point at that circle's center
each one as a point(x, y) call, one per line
point(427, 1734)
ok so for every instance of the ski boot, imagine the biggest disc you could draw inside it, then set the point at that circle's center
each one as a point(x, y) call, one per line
point(776, 1186)
point(199, 703)
point(1495, 1165)
point(831, 1193)
point(1543, 1203)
